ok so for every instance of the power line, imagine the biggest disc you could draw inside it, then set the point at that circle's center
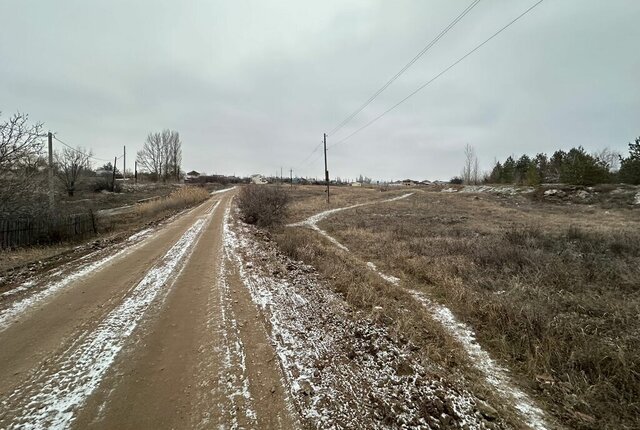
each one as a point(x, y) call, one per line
point(438, 75)
point(306, 160)
point(406, 66)
point(80, 152)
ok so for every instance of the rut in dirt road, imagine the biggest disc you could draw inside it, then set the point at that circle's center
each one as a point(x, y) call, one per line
point(157, 335)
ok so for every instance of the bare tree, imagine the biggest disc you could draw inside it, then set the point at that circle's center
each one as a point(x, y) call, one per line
point(475, 171)
point(610, 158)
point(161, 155)
point(175, 154)
point(150, 158)
point(471, 169)
point(21, 144)
point(71, 164)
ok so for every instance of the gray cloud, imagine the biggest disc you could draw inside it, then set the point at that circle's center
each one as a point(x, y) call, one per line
point(252, 85)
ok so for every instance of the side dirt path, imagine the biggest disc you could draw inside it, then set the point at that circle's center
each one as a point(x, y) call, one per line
point(159, 335)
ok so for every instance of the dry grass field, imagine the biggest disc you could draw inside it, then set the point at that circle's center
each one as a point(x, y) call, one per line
point(552, 290)
point(156, 202)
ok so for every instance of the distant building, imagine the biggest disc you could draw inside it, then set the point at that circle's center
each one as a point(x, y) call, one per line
point(258, 179)
point(356, 184)
point(192, 175)
point(103, 172)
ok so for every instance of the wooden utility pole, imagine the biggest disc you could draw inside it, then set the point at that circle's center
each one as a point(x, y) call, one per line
point(291, 174)
point(135, 171)
point(326, 172)
point(124, 163)
point(51, 190)
point(113, 178)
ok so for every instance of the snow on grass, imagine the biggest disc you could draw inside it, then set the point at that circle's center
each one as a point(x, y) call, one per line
point(343, 371)
point(494, 374)
point(391, 279)
point(54, 393)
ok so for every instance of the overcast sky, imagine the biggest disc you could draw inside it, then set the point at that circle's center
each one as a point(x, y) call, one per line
point(252, 85)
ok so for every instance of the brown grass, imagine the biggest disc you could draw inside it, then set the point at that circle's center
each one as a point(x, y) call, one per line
point(552, 292)
point(114, 227)
point(311, 199)
point(178, 199)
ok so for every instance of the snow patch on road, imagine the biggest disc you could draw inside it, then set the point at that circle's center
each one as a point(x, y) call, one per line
point(222, 191)
point(62, 387)
point(233, 373)
point(139, 235)
point(8, 315)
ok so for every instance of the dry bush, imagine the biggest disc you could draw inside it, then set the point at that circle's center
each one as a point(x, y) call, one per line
point(263, 205)
point(179, 199)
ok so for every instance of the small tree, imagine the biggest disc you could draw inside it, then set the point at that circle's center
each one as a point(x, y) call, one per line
point(71, 165)
point(471, 169)
point(580, 168)
point(533, 175)
point(521, 169)
point(508, 171)
point(496, 174)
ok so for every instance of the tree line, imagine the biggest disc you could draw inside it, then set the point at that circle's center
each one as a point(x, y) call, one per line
point(576, 167)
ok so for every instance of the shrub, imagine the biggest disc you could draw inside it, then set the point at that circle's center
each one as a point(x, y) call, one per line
point(263, 205)
point(105, 184)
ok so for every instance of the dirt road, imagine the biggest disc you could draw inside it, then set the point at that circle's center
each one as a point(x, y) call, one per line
point(157, 332)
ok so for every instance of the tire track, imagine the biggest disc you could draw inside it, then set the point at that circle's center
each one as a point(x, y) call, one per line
point(56, 390)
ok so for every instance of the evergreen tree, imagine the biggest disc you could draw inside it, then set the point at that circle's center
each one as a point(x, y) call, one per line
point(496, 174)
point(630, 166)
point(521, 169)
point(580, 168)
point(508, 171)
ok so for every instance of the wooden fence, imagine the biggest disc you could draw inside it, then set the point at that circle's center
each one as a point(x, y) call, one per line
point(16, 232)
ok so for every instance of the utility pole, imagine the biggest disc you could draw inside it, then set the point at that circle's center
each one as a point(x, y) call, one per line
point(280, 175)
point(124, 163)
point(51, 190)
point(113, 179)
point(291, 174)
point(135, 171)
point(326, 172)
